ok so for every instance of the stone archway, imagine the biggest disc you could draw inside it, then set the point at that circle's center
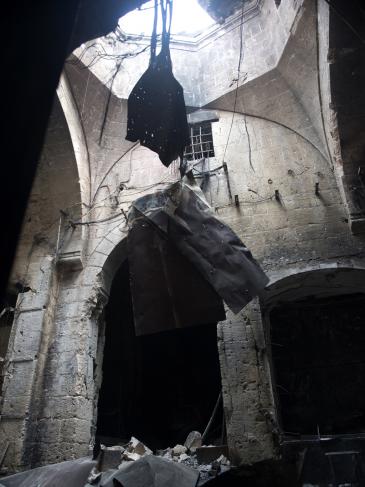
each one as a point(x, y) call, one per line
point(315, 335)
point(157, 387)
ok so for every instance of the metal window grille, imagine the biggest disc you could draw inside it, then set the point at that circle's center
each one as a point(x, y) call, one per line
point(201, 142)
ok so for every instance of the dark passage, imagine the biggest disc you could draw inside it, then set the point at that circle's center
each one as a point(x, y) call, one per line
point(155, 387)
point(319, 364)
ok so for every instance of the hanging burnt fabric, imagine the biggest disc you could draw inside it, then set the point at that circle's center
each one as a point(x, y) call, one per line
point(156, 106)
point(168, 292)
point(182, 213)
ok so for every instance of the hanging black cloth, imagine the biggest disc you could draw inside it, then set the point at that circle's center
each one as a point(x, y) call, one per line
point(156, 106)
point(183, 261)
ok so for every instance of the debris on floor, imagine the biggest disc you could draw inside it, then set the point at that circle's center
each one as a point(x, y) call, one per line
point(131, 465)
point(189, 458)
point(134, 465)
point(134, 451)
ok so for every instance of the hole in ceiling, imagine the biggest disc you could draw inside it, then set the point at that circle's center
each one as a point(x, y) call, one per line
point(188, 18)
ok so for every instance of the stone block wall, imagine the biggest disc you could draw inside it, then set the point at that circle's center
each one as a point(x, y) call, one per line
point(273, 143)
point(34, 275)
point(246, 385)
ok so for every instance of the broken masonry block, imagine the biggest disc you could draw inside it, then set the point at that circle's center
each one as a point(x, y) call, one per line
point(193, 441)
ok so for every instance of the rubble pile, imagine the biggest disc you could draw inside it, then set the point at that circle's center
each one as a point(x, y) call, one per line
point(191, 464)
point(134, 451)
point(133, 465)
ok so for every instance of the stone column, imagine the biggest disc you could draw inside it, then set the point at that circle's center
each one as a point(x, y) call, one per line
point(246, 384)
point(25, 360)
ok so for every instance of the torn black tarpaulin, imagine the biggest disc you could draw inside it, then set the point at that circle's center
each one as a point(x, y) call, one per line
point(151, 471)
point(168, 292)
point(156, 106)
point(73, 473)
point(186, 219)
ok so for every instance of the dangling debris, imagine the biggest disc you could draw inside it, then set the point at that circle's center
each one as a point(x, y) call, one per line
point(181, 217)
point(156, 106)
point(168, 292)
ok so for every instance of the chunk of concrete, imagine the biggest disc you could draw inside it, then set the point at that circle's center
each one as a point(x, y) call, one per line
point(193, 441)
point(136, 446)
point(154, 471)
point(179, 450)
point(223, 460)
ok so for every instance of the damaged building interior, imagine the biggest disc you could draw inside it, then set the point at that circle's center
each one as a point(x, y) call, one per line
point(183, 258)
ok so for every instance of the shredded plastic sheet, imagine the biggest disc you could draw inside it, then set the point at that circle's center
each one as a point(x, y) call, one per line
point(151, 471)
point(182, 214)
point(168, 292)
point(156, 106)
point(71, 474)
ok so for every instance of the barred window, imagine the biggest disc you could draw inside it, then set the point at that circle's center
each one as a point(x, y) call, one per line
point(201, 142)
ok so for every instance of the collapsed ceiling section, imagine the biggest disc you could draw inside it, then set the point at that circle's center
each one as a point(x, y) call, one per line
point(220, 10)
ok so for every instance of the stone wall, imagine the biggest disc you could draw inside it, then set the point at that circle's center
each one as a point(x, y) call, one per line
point(44, 232)
point(246, 385)
point(275, 151)
point(285, 235)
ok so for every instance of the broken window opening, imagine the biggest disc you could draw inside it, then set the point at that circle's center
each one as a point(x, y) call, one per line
point(157, 387)
point(6, 322)
point(319, 364)
point(201, 142)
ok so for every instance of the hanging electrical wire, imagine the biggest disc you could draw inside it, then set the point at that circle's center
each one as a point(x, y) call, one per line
point(237, 81)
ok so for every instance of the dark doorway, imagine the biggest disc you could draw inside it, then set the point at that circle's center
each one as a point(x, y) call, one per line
point(157, 387)
point(319, 364)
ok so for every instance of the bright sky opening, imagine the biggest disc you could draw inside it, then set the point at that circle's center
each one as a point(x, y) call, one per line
point(188, 17)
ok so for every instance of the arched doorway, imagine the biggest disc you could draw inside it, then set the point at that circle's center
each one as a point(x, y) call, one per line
point(156, 387)
point(316, 331)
